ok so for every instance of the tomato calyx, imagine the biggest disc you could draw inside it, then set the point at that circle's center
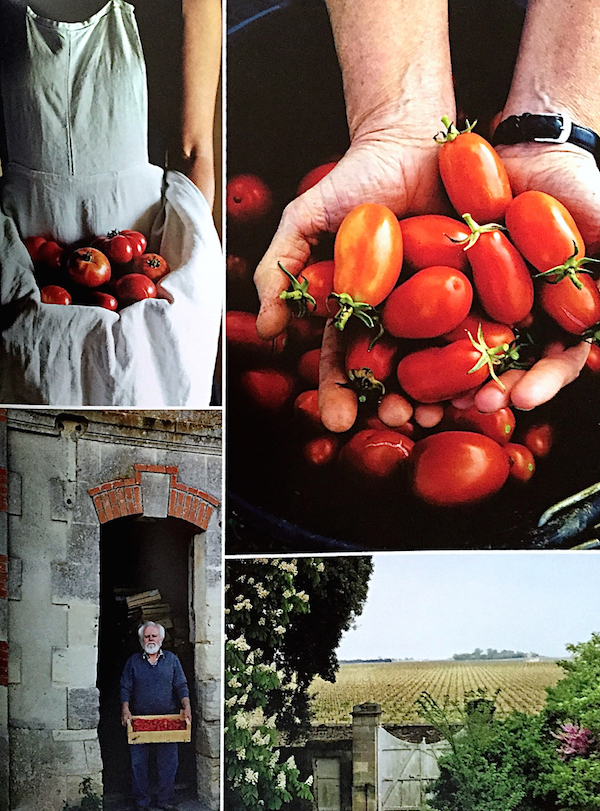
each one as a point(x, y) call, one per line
point(491, 356)
point(299, 293)
point(452, 132)
point(365, 384)
point(476, 231)
point(571, 268)
point(363, 311)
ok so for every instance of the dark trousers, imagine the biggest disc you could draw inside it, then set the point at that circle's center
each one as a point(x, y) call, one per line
point(166, 764)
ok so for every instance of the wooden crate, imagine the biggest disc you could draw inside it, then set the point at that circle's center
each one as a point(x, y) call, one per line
point(159, 735)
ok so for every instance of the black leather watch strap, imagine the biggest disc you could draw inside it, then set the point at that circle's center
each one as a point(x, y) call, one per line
point(546, 129)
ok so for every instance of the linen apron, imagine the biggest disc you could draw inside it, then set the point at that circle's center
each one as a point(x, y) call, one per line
point(75, 108)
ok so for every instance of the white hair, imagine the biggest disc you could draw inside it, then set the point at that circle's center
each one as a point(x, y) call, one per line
point(141, 629)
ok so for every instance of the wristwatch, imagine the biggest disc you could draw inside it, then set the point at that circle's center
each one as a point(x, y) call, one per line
point(546, 129)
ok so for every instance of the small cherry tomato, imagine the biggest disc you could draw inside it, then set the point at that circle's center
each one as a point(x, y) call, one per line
point(457, 467)
point(434, 239)
point(368, 260)
point(575, 308)
point(249, 199)
point(501, 277)
point(321, 450)
point(433, 301)
point(89, 267)
point(498, 425)
point(539, 439)
point(53, 294)
point(521, 460)
point(151, 265)
point(376, 454)
point(269, 389)
point(543, 230)
point(311, 178)
point(473, 175)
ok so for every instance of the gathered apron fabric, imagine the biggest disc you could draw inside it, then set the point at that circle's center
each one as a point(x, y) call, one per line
point(75, 108)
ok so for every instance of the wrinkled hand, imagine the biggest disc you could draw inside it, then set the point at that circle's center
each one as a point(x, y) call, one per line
point(378, 169)
point(570, 174)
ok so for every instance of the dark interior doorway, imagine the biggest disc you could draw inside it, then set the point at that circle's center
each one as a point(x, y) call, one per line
point(139, 555)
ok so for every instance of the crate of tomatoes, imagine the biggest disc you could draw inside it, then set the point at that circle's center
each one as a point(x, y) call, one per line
point(159, 729)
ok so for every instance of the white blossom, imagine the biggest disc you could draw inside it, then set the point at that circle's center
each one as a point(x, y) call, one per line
point(281, 781)
point(287, 594)
point(233, 682)
point(290, 762)
point(309, 780)
point(303, 596)
point(241, 720)
point(321, 567)
point(261, 591)
point(241, 753)
point(240, 643)
point(279, 629)
point(229, 702)
point(250, 776)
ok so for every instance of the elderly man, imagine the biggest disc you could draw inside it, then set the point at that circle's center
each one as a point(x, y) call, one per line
point(153, 683)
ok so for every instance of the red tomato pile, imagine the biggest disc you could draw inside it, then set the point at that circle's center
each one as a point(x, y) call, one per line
point(157, 724)
point(431, 308)
point(112, 272)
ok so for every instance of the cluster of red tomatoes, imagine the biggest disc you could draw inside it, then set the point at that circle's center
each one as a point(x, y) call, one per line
point(479, 294)
point(157, 724)
point(113, 272)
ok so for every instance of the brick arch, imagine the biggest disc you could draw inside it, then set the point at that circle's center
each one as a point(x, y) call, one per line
point(123, 497)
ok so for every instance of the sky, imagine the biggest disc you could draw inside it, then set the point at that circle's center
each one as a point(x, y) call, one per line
point(431, 606)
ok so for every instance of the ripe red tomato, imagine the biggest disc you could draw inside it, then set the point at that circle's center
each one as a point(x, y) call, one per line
point(499, 425)
point(269, 389)
point(441, 373)
point(428, 304)
point(116, 246)
point(51, 253)
point(311, 178)
point(321, 450)
point(306, 408)
point(593, 359)
point(428, 241)
point(240, 329)
point(137, 241)
point(308, 367)
point(249, 199)
point(33, 245)
point(473, 175)
point(376, 453)
point(97, 298)
point(378, 359)
point(539, 439)
point(134, 287)
point(89, 267)
point(543, 230)
point(493, 333)
point(521, 460)
point(312, 289)
point(458, 467)
point(151, 265)
point(575, 309)
point(501, 277)
point(53, 294)
point(368, 260)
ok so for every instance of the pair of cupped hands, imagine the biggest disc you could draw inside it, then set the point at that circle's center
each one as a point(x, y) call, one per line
point(404, 176)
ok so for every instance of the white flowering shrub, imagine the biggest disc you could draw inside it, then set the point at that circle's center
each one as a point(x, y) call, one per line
point(259, 609)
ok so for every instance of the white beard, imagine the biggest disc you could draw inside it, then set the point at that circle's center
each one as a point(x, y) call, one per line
point(151, 647)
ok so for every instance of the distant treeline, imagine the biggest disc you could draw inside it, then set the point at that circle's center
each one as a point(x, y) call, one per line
point(491, 653)
point(363, 661)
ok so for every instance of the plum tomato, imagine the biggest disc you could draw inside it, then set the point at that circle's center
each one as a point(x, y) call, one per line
point(134, 287)
point(54, 294)
point(543, 230)
point(248, 199)
point(376, 454)
point(363, 357)
point(312, 289)
point(539, 439)
point(593, 359)
point(457, 467)
point(311, 178)
point(368, 261)
point(473, 174)
point(308, 367)
point(98, 298)
point(521, 460)
point(269, 389)
point(434, 239)
point(306, 408)
point(574, 306)
point(433, 301)
point(493, 332)
point(501, 277)
point(88, 267)
point(151, 265)
point(498, 425)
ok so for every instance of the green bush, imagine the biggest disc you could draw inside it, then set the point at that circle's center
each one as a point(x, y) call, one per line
point(89, 800)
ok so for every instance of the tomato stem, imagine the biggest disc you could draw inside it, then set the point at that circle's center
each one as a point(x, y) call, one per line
point(490, 356)
point(366, 385)
point(299, 292)
point(452, 132)
point(348, 307)
point(571, 268)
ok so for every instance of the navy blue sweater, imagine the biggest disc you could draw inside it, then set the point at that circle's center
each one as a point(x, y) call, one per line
point(153, 689)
